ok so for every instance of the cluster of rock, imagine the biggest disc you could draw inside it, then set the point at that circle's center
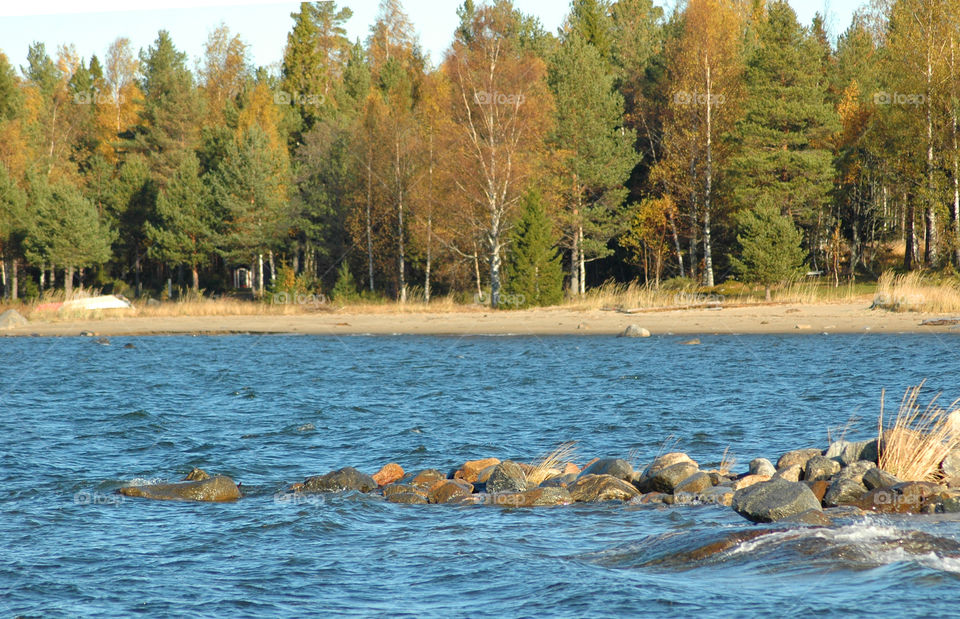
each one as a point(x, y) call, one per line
point(806, 485)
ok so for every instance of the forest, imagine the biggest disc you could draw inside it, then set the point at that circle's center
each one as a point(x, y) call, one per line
point(722, 141)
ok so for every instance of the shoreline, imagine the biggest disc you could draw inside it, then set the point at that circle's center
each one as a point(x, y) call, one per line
point(740, 320)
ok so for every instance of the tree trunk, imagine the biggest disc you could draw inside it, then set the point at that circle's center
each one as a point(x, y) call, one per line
point(401, 259)
point(955, 205)
point(676, 243)
point(766, 293)
point(260, 275)
point(476, 271)
point(574, 267)
point(195, 276)
point(582, 266)
point(273, 266)
point(67, 282)
point(136, 273)
point(910, 235)
point(13, 283)
point(930, 215)
point(426, 276)
point(494, 270)
point(707, 196)
point(369, 225)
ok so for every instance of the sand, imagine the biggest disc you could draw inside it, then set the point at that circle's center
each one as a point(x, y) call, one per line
point(784, 319)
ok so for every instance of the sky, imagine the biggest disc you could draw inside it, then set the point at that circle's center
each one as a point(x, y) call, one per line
point(91, 25)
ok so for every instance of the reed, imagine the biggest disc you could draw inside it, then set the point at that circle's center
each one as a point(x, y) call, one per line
point(917, 292)
point(913, 447)
point(544, 466)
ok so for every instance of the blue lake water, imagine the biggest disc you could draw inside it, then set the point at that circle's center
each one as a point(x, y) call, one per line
point(79, 419)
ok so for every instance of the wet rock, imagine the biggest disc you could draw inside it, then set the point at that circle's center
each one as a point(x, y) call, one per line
point(749, 480)
point(11, 319)
point(762, 466)
point(820, 467)
point(844, 511)
point(790, 473)
point(570, 468)
point(470, 470)
point(507, 476)
point(878, 478)
point(696, 483)
point(485, 474)
point(635, 331)
point(813, 517)
point(597, 488)
point(617, 467)
point(427, 478)
point(196, 475)
point(856, 470)
point(694, 342)
point(819, 488)
point(844, 492)
point(560, 481)
point(719, 495)
point(388, 474)
point(649, 498)
point(665, 478)
point(774, 500)
point(848, 452)
point(215, 489)
point(911, 497)
point(392, 489)
point(797, 456)
point(543, 496)
point(950, 504)
point(446, 490)
point(347, 478)
point(409, 498)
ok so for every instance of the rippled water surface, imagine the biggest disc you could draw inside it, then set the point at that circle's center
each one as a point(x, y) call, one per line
point(78, 419)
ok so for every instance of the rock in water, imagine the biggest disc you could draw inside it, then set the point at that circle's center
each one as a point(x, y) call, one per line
point(449, 490)
point(597, 488)
point(470, 471)
point(347, 478)
point(12, 319)
point(790, 473)
point(388, 474)
point(617, 467)
point(774, 500)
point(848, 452)
point(878, 478)
point(196, 475)
point(507, 477)
point(844, 491)
point(762, 466)
point(695, 484)
point(215, 489)
point(635, 331)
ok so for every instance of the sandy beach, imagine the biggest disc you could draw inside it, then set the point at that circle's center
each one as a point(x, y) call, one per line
point(786, 318)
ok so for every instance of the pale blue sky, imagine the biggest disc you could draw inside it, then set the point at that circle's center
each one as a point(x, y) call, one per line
point(264, 25)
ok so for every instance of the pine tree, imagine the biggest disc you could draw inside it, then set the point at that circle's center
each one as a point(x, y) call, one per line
point(770, 250)
point(783, 156)
point(185, 224)
point(345, 289)
point(13, 226)
point(533, 269)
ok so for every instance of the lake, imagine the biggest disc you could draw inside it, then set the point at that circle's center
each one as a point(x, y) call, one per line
point(79, 419)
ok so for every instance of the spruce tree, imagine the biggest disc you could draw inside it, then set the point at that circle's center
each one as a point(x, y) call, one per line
point(534, 273)
point(345, 289)
point(770, 251)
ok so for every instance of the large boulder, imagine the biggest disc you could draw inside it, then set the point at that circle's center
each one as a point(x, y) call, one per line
point(409, 498)
point(470, 470)
point(821, 468)
point(11, 319)
point(848, 452)
point(347, 478)
point(196, 474)
point(215, 489)
point(911, 497)
point(617, 467)
point(797, 456)
point(950, 467)
point(856, 470)
point(844, 491)
point(666, 472)
point(388, 474)
point(790, 473)
point(878, 478)
point(762, 466)
point(427, 478)
point(749, 480)
point(774, 500)
point(635, 331)
point(696, 483)
point(598, 488)
point(507, 476)
point(393, 489)
point(536, 497)
point(447, 490)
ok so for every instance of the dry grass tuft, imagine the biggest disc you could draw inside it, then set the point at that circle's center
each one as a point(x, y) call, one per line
point(919, 439)
point(543, 465)
point(727, 462)
point(916, 292)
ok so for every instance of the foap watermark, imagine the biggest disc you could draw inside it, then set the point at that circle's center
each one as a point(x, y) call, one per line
point(682, 97)
point(898, 98)
point(96, 498)
point(282, 97)
point(504, 499)
point(97, 98)
point(698, 298)
point(298, 498)
point(298, 298)
point(482, 97)
point(500, 299)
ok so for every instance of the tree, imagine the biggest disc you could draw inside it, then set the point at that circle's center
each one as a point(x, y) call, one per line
point(345, 288)
point(770, 249)
point(533, 269)
point(185, 225)
point(13, 227)
point(501, 108)
point(223, 72)
point(783, 151)
point(595, 150)
point(646, 235)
